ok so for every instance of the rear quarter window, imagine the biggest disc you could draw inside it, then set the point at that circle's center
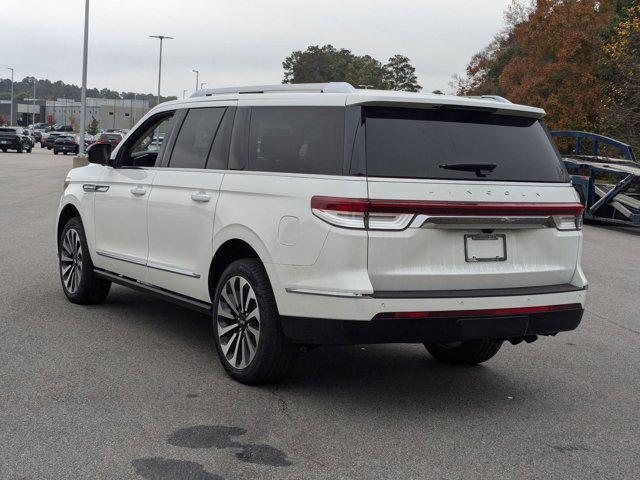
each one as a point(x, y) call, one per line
point(297, 140)
point(420, 143)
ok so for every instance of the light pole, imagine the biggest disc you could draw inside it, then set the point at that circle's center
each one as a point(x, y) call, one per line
point(33, 112)
point(197, 72)
point(161, 38)
point(184, 93)
point(11, 114)
point(83, 97)
point(131, 113)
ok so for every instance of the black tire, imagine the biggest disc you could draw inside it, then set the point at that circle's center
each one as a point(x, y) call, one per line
point(29, 150)
point(19, 149)
point(49, 148)
point(4, 150)
point(89, 289)
point(274, 355)
point(470, 352)
point(64, 153)
point(55, 152)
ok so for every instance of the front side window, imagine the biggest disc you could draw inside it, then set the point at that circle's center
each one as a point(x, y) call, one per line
point(297, 140)
point(196, 136)
point(146, 145)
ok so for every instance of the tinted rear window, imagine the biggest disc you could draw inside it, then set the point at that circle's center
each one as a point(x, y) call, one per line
point(297, 140)
point(418, 143)
point(196, 137)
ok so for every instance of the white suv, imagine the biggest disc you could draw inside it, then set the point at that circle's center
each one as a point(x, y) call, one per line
point(300, 215)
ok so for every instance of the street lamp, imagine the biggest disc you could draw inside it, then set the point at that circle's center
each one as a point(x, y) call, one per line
point(161, 38)
point(11, 114)
point(33, 112)
point(197, 72)
point(184, 93)
point(83, 97)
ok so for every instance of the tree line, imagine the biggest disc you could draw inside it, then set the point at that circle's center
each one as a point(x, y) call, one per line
point(48, 90)
point(577, 59)
point(319, 64)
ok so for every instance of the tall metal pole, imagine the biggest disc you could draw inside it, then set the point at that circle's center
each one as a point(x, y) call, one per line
point(161, 38)
point(83, 98)
point(197, 72)
point(184, 93)
point(11, 114)
point(33, 112)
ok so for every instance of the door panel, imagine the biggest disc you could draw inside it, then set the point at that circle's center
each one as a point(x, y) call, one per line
point(121, 221)
point(181, 213)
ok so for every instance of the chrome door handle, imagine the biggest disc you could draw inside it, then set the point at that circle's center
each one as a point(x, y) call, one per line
point(200, 197)
point(138, 191)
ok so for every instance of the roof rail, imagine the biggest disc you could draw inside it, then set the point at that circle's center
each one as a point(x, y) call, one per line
point(330, 87)
point(496, 98)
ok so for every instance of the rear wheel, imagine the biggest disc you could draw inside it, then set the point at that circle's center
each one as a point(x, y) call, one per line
point(55, 152)
point(470, 352)
point(79, 283)
point(246, 324)
point(4, 150)
point(19, 149)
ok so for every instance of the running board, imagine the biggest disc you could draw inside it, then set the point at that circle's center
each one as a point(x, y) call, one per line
point(188, 302)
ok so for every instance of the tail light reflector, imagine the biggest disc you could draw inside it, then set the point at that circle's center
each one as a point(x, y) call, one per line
point(492, 312)
point(397, 214)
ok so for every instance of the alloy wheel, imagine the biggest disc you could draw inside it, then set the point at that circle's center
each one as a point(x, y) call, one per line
point(71, 260)
point(238, 322)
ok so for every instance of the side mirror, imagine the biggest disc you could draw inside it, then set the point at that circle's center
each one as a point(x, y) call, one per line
point(99, 153)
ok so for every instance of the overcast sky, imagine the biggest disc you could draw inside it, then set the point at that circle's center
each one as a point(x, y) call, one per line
point(236, 42)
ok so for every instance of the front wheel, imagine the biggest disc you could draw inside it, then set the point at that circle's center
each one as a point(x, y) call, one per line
point(79, 283)
point(470, 352)
point(247, 331)
point(55, 152)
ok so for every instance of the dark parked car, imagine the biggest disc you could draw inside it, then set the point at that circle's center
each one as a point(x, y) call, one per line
point(13, 138)
point(65, 128)
point(112, 139)
point(51, 138)
point(66, 144)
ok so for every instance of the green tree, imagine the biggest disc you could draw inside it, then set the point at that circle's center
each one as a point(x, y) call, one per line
point(329, 64)
point(399, 74)
point(93, 127)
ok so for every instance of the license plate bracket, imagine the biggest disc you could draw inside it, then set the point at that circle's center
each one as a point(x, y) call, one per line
point(485, 247)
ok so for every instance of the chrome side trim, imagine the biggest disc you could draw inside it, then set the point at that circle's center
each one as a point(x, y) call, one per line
point(179, 271)
point(326, 293)
point(144, 263)
point(123, 258)
point(463, 222)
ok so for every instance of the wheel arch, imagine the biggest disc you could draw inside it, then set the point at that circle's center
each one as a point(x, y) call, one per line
point(67, 213)
point(231, 250)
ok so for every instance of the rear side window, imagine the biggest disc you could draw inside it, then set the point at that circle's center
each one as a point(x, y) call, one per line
point(196, 137)
point(297, 140)
point(459, 144)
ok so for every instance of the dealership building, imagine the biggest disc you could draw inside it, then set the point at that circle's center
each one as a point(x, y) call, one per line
point(110, 113)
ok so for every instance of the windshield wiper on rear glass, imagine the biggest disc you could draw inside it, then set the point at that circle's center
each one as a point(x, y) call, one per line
point(478, 168)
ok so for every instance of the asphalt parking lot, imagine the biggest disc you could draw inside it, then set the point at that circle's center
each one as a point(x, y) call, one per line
point(132, 388)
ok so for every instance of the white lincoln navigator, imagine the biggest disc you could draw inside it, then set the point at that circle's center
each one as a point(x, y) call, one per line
point(301, 215)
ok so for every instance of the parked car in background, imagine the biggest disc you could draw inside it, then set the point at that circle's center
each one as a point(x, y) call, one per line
point(66, 143)
point(112, 138)
point(323, 214)
point(51, 138)
point(37, 135)
point(29, 137)
point(65, 128)
point(14, 138)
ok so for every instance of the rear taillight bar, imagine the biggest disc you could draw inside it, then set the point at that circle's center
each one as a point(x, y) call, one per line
point(492, 312)
point(398, 214)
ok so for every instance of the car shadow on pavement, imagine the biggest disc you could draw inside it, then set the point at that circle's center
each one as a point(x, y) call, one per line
point(367, 376)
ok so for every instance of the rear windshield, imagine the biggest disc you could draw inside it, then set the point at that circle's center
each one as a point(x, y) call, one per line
point(7, 130)
point(458, 144)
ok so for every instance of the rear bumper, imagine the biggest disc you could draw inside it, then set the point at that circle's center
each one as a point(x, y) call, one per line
point(425, 330)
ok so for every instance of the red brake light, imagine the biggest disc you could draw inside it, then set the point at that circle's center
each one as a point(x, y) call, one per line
point(397, 214)
point(493, 312)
